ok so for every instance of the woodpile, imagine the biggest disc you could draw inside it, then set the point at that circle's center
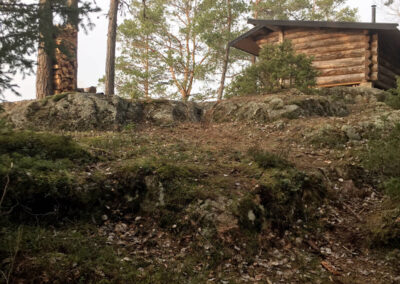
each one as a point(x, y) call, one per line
point(65, 69)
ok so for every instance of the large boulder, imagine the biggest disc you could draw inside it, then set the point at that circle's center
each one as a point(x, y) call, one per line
point(79, 111)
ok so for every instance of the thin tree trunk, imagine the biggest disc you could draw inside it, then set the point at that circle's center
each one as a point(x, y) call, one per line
point(111, 39)
point(226, 58)
point(256, 3)
point(73, 20)
point(146, 82)
point(44, 73)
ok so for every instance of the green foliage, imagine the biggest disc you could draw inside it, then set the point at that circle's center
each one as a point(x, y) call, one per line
point(278, 67)
point(330, 138)
point(393, 99)
point(37, 168)
point(290, 195)
point(42, 145)
point(73, 254)
point(140, 72)
point(20, 31)
point(382, 159)
point(385, 229)
point(267, 160)
point(284, 193)
point(319, 10)
point(382, 154)
point(392, 188)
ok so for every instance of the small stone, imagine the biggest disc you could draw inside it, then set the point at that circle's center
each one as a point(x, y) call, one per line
point(104, 217)
point(251, 216)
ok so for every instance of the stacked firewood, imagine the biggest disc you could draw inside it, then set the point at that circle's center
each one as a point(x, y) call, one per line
point(65, 69)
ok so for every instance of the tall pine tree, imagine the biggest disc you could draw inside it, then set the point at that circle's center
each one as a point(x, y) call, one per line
point(139, 70)
point(315, 10)
point(21, 32)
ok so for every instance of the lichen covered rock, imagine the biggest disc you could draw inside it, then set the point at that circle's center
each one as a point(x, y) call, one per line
point(79, 111)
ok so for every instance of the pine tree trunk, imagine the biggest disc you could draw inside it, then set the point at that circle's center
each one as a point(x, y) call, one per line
point(111, 39)
point(44, 73)
point(73, 21)
point(147, 67)
point(226, 58)
point(223, 75)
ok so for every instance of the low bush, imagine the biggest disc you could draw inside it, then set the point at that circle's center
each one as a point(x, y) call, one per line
point(266, 160)
point(382, 158)
point(290, 195)
point(393, 99)
point(382, 155)
point(330, 138)
point(278, 67)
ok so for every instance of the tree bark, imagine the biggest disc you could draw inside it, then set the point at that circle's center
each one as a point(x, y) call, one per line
point(255, 5)
point(73, 20)
point(44, 73)
point(111, 40)
point(226, 58)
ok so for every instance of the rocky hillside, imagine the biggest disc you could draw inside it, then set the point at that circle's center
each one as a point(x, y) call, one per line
point(283, 188)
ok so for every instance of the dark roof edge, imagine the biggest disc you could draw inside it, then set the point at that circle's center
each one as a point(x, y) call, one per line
point(246, 34)
point(323, 24)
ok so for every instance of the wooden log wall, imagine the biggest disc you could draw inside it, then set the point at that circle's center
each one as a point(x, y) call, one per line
point(65, 68)
point(342, 57)
point(388, 62)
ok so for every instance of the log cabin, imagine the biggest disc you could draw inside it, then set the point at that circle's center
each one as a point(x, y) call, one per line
point(344, 53)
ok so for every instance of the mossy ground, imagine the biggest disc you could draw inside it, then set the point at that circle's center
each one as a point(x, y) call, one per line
point(152, 180)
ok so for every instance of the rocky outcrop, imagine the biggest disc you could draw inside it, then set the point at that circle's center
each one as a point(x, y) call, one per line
point(272, 107)
point(79, 111)
point(83, 111)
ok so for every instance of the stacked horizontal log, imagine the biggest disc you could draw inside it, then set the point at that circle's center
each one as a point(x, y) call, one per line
point(65, 69)
point(389, 64)
point(342, 57)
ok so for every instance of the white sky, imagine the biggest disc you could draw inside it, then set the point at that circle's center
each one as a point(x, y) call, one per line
point(92, 49)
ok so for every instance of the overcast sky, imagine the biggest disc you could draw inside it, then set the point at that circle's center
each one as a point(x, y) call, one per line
point(92, 49)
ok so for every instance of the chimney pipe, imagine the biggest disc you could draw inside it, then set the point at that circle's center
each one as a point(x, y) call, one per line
point(374, 13)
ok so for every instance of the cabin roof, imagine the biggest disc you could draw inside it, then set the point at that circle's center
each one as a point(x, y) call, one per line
point(247, 43)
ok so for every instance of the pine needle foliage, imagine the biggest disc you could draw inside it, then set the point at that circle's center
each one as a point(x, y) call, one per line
point(278, 67)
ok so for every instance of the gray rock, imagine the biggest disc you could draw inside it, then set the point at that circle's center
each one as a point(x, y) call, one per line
point(351, 132)
point(276, 103)
point(272, 108)
point(78, 111)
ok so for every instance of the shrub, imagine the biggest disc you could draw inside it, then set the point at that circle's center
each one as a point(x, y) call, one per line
point(266, 160)
point(328, 137)
point(393, 99)
point(278, 68)
point(290, 195)
point(382, 155)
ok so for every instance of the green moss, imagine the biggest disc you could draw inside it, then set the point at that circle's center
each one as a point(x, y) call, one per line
point(266, 160)
point(290, 195)
point(329, 138)
point(384, 227)
point(73, 253)
point(381, 155)
point(39, 169)
point(43, 145)
point(249, 214)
